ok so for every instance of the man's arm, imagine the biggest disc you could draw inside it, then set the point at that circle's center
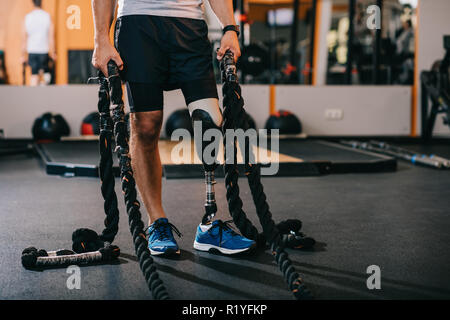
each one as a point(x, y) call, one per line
point(224, 11)
point(103, 12)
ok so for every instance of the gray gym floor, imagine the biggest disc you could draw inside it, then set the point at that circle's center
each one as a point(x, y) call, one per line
point(399, 221)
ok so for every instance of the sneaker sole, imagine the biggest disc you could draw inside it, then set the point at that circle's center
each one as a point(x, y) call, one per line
point(209, 247)
point(168, 252)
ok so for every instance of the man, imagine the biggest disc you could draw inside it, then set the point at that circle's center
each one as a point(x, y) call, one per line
point(38, 43)
point(163, 45)
point(405, 39)
point(405, 53)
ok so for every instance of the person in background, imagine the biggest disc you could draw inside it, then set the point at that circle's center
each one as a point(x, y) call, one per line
point(405, 39)
point(362, 43)
point(38, 43)
point(405, 53)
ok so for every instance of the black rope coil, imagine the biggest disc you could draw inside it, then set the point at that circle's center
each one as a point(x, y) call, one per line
point(234, 118)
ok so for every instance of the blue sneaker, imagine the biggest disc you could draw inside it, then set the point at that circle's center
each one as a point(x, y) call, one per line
point(220, 236)
point(160, 238)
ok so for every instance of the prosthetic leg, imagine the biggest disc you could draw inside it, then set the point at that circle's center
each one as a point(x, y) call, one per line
point(210, 204)
point(207, 113)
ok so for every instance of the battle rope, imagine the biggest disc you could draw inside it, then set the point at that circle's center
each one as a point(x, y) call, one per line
point(234, 118)
point(89, 246)
point(146, 262)
point(85, 240)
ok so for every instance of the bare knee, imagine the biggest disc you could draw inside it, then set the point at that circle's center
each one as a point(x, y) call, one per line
point(146, 127)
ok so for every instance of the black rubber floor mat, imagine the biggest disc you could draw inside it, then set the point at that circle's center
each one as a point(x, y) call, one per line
point(316, 157)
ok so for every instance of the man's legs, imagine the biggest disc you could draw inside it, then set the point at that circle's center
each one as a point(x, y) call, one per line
point(141, 42)
point(37, 63)
point(145, 130)
point(34, 80)
point(146, 162)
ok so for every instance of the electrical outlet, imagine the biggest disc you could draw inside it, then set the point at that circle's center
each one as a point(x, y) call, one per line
point(334, 114)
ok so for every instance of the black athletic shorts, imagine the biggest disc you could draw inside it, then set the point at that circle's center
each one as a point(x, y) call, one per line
point(162, 54)
point(38, 62)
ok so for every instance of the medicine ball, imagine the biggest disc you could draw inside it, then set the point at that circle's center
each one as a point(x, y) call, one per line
point(62, 125)
point(254, 60)
point(50, 127)
point(285, 121)
point(180, 119)
point(91, 124)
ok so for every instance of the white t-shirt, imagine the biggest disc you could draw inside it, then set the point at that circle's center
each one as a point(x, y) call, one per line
point(37, 26)
point(168, 8)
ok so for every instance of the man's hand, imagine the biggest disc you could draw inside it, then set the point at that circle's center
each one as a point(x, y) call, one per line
point(103, 12)
point(103, 53)
point(52, 55)
point(229, 42)
point(24, 58)
point(224, 11)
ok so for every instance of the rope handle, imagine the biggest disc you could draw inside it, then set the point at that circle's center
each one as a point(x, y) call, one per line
point(228, 68)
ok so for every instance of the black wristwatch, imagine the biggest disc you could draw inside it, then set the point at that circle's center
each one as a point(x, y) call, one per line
point(232, 27)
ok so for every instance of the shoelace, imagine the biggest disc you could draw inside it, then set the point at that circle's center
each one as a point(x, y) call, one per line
point(163, 228)
point(223, 226)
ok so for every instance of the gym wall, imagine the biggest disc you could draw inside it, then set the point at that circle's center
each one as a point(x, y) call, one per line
point(349, 110)
point(20, 106)
point(366, 110)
